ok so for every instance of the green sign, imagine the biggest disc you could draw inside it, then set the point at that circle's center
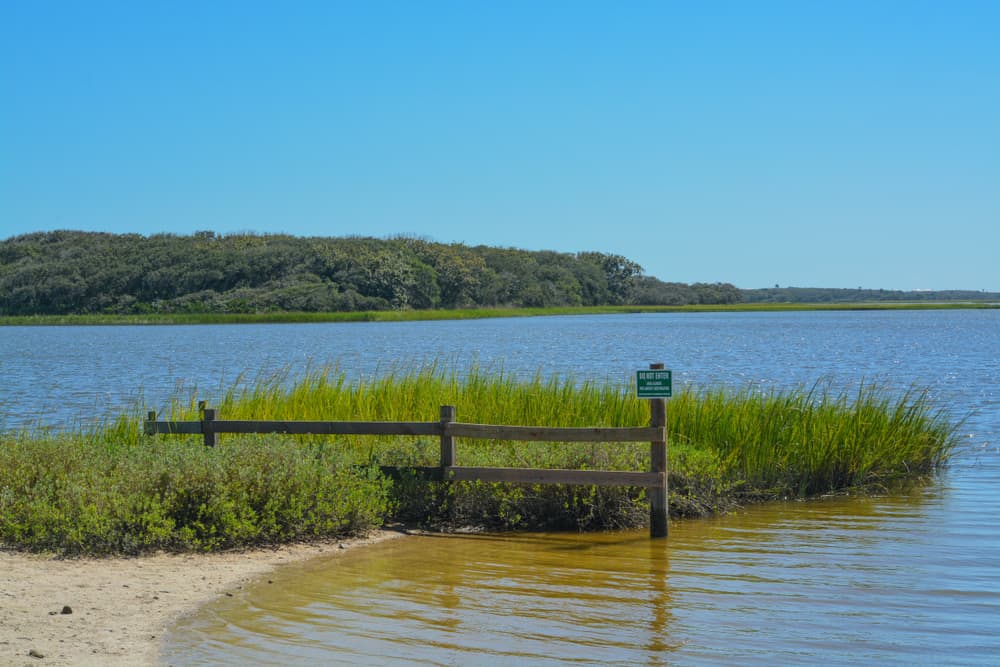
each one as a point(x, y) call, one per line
point(653, 384)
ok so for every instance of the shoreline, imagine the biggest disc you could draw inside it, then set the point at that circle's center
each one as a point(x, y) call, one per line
point(299, 317)
point(117, 611)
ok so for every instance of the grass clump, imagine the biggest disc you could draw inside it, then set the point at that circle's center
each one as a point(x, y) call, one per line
point(116, 491)
point(809, 442)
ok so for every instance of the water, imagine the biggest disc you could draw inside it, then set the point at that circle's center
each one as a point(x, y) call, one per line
point(830, 582)
point(62, 376)
point(903, 579)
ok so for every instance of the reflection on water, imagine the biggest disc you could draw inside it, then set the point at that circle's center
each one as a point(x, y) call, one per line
point(848, 581)
point(451, 600)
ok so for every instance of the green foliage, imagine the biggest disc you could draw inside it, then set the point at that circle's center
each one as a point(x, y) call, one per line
point(117, 491)
point(725, 446)
point(69, 272)
point(802, 443)
point(85, 273)
point(652, 292)
point(79, 495)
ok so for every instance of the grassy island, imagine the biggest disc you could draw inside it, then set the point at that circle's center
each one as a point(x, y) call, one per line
point(114, 490)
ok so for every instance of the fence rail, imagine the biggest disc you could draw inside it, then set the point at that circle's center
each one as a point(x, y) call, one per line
point(451, 429)
point(447, 429)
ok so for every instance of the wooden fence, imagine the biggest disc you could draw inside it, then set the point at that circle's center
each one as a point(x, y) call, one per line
point(447, 429)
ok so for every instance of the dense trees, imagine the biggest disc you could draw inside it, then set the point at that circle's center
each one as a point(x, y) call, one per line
point(652, 292)
point(66, 272)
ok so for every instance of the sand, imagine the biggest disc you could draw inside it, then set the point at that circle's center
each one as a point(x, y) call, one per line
point(116, 611)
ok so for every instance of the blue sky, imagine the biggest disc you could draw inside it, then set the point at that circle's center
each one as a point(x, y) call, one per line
point(829, 144)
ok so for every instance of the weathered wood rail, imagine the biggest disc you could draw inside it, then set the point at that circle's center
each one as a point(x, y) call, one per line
point(447, 429)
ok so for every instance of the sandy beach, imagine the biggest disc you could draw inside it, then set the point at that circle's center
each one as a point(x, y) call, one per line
point(116, 611)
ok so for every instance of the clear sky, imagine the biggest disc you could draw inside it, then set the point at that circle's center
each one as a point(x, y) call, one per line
point(832, 143)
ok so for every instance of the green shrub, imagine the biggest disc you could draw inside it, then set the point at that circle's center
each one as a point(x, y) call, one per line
point(68, 495)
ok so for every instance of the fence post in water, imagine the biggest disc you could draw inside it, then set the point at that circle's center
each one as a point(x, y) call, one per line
point(447, 441)
point(208, 416)
point(658, 499)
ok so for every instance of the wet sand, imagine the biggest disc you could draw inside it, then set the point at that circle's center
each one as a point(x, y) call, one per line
point(116, 611)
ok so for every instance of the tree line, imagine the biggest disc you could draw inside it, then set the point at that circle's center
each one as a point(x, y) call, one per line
point(778, 294)
point(73, 272)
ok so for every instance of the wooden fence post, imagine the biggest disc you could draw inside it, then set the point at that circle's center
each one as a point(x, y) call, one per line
point(447, 442)
point(208, 416)
point(659, 509)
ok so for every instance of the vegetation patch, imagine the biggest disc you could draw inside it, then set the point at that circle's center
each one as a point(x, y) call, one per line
point(299, 317)
point(74, 277)
point(90, 273)
point(115, 490)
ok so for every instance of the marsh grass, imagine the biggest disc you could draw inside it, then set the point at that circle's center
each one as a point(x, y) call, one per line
point(113, 490)
point(286, 317)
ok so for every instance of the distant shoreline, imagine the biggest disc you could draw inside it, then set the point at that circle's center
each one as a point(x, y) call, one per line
point(467, 314)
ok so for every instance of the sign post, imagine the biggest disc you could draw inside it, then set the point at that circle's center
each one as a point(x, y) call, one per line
point(656, 384)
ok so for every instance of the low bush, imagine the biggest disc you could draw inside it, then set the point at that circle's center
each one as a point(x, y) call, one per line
point(76, 496)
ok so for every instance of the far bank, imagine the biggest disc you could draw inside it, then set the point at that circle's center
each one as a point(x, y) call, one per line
point(292, 317)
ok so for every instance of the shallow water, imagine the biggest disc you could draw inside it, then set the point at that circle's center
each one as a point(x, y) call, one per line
point(838, 581)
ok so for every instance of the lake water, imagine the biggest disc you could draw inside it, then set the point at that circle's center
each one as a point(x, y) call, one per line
point(909, 578)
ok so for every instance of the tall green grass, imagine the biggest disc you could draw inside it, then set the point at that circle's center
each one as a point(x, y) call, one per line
point(807, 442)
point(115, 490)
